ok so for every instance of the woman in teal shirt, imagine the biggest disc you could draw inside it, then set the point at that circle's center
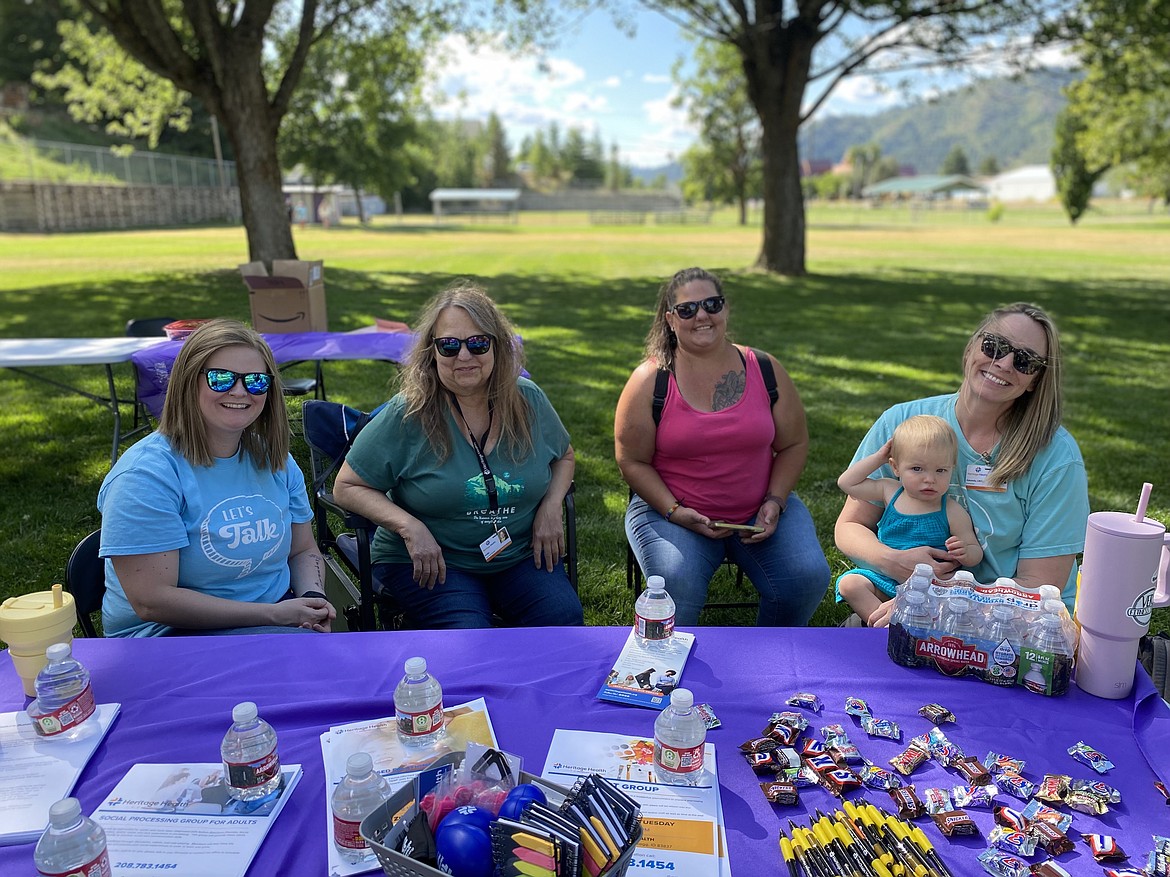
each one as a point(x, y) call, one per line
point(465, 472)
point(1020, 474)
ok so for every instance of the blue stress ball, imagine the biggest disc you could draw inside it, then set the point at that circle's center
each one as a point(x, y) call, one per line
point(464, 850)
point(519, 798)
point(467, 814)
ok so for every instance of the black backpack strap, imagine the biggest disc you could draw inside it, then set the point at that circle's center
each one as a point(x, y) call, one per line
point(768, 374)
point(661, 385)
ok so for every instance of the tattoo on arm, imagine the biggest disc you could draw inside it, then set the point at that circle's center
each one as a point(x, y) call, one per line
point(728, 390)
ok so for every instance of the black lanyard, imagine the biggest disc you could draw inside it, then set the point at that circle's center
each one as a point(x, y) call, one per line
point(489, 480)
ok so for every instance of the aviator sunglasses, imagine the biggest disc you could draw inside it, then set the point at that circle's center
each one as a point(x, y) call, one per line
point(221, 380)
point(477, 345)
point(687, 309)
point(1025, 362)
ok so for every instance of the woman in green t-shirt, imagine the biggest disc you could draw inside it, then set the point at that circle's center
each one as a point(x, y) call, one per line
point(465, 472)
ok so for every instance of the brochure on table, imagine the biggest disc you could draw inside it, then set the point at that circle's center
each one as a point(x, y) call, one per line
point(37, 771)
point(464, 723)
point(180, 818)
point(646, 675)
point(682, 826)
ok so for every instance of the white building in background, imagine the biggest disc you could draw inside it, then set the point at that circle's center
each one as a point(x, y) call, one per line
point(1032, 182)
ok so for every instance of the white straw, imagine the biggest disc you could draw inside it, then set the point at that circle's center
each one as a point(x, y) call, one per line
point(1143, 502)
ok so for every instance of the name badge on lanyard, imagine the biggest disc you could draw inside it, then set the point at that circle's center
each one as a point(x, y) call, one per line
point(977, 478)
point(495, 543)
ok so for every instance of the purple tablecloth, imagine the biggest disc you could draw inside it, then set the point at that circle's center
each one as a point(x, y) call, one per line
point(177, 695)
point(153, 364)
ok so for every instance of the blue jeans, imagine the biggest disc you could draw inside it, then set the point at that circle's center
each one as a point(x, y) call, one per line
point(788, 568)
point(522, 595)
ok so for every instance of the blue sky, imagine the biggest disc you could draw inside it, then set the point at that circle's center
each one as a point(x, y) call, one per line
point(598, 78)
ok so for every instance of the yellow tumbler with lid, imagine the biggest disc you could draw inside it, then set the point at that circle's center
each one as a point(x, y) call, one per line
point(30, 623)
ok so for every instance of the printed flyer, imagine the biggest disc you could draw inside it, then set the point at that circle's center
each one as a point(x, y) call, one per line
point(465, 722)
point(181, 818)
point(645, 676)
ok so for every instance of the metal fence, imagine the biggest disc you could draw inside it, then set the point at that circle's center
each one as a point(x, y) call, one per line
point(102, 164)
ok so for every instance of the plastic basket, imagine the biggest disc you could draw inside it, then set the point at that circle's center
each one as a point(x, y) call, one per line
point(180, 329)
point(383, 837)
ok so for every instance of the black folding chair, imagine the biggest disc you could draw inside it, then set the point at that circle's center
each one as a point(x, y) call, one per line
point(85, 579)
point(343, 537)
point(330, 429)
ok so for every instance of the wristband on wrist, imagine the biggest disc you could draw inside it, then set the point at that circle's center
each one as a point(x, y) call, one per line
point(673, 509)
point(771, 497)
point(313, 594)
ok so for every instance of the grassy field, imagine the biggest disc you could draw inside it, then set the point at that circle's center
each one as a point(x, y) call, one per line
point(882, 317)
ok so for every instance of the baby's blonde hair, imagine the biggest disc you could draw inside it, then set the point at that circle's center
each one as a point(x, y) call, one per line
point(924, 432)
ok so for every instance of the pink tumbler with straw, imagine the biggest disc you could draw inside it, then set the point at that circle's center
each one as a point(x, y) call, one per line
point(1116, 597)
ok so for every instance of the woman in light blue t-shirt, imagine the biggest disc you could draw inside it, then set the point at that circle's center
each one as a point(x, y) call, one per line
point(206, 525)
point(1020, 474)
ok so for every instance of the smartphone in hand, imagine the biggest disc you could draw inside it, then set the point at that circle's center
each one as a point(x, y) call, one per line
point(723, 525)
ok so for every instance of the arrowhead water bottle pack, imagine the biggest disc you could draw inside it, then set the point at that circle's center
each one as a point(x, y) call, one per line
point(1001, 633)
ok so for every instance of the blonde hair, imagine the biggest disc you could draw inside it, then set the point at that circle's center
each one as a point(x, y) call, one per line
point(266, 439)
point(422, 389)
point(661, 340)
point(924, 432)
point(1032, 421)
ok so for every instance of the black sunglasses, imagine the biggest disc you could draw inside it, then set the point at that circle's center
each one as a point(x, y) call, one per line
point(221, 380)
point(687, 309)
point(1025, 362)
point(477, 345)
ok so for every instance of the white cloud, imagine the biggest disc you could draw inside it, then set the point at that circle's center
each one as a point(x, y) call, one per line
point(612, 82)
point(655, 78)
point(859, 94)
point(666, 134)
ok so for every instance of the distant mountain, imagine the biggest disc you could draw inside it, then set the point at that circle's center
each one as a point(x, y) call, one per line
point(673, 172)
point(1011, 119)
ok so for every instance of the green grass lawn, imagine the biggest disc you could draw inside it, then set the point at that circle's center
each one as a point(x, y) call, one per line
point(881, 318)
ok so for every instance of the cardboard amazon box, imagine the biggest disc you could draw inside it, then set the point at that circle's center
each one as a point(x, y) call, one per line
point(292, 299)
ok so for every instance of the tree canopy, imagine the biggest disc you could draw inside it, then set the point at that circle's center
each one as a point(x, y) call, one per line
point(725, 163)
point(794, 54)
point(244, 61)
point(1119, 113)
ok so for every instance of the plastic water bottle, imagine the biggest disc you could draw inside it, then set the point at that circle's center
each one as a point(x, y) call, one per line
point(72, 844)
point(360, 793)
point(679, 735)
point(251, 765)
point(961, 619)
point(919, 580)
point(654, 615)
point(418, 706)
point(64, 696)
point(1049, 654)
point(911, 620)
point(1001, 634)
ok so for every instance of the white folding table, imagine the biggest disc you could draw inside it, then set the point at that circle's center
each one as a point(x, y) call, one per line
point(21, 354)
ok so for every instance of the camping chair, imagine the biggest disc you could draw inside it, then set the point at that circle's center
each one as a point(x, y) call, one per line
point(85, 579)
point(330, 429)
point(635, 584)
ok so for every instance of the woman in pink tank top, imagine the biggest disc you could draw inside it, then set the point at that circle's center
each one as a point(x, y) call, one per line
point(713, 469)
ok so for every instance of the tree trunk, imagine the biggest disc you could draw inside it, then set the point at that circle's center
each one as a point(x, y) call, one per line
point(252, 126)
point(777, 91)
point(783, 249)
point(261, 198)
point(361, 209)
